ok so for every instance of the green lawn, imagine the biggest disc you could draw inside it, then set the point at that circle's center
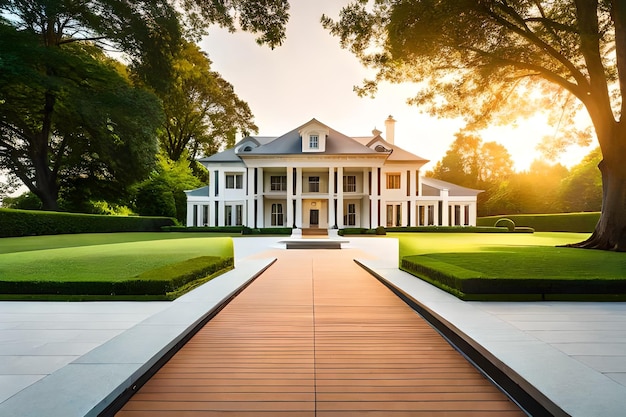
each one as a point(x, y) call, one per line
point(514, 266)
point(102, 257)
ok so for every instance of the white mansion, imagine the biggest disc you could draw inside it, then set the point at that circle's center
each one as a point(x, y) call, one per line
point(316, 177)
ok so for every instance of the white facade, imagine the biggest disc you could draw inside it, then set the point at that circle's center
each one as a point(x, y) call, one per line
point(315, 177)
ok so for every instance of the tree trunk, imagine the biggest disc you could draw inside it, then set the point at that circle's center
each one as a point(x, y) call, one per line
point(610, 232)
point(46, 187)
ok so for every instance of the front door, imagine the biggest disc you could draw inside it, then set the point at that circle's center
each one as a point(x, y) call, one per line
point(314, 216)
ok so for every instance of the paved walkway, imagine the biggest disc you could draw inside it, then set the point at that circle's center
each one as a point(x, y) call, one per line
point(573, 353)
point(316, 335)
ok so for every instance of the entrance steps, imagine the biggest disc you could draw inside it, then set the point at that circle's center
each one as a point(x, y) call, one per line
point(314, 231)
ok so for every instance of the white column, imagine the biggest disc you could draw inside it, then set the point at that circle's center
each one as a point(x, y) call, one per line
point(331, 196)
point(414, 213)
point(436, 214)
point(251, 197)
point(366, 185)
point(298, 213)
point(419, 183)
point(472, 214)
point(340, 197)
point(260, 199)
point(374, 197)
point(445, 218)
point(221, 213)
point(290, 213)
point(189, 221)
point(406, 220)
point(199, 214)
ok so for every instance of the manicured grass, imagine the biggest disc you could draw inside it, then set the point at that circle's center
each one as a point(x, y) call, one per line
point(514, 267)
point(29, 243)
point(101, 257)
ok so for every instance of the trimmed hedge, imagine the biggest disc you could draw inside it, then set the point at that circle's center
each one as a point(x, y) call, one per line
point(472, 285)
point(16, 223)
point(244, 230)
point(562, 222)
point(505, 222)
point(448, 229)
point(159, 281)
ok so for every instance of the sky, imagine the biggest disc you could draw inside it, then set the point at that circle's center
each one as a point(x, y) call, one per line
point(310, 76)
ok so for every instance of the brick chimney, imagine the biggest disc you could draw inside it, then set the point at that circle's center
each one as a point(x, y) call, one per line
point(390, 124)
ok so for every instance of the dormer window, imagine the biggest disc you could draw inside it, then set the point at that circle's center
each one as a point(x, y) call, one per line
point(314, 142)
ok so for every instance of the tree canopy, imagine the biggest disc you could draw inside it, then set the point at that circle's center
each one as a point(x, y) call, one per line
point(484, 61)
point(70, 117)
point(202, 111)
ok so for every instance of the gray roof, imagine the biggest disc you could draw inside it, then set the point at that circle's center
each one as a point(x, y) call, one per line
point(198, 192)
point(398, 154)
point(453, 189)
point(291, 144)
point(225, 156)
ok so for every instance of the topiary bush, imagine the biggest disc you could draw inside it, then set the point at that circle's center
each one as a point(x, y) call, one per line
point(380, 230)
point(504, 222)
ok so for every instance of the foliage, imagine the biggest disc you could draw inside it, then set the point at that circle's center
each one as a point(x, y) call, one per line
point(265, 18)
point(26, 201)
point(68, 118)
point(71, 120)
point(31, 223)
point(561, 222)
point(472, 163)
point(494, 61)
point(202, 111)
point(534, 191)
point(581, 190)
point(163, 194)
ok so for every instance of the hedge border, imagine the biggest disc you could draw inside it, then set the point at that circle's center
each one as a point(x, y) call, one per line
point(469, 285)
point(584, 222)
point(18, 223)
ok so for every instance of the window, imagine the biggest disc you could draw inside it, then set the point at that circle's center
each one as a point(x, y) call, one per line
point(238, 215)
point(314, 184)
point(389, 222)
point(349, 183)
point(351, 216)
point(393, 181)
point(234, 181)
point(314, 142)
point(277, 215)
point(278, 183)
point(228, 217)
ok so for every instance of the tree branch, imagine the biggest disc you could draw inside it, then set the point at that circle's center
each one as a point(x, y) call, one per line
point(531, 37)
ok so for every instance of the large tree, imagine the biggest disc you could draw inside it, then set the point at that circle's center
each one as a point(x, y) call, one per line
point(202, 111)
point(61, 106)
point(484, 59)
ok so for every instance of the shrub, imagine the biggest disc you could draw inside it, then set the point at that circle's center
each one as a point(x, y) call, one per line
point(14, 223)
point(380, 230)
point(505, 222)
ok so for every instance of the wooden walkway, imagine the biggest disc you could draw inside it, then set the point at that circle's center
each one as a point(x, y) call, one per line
point(316, 335)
